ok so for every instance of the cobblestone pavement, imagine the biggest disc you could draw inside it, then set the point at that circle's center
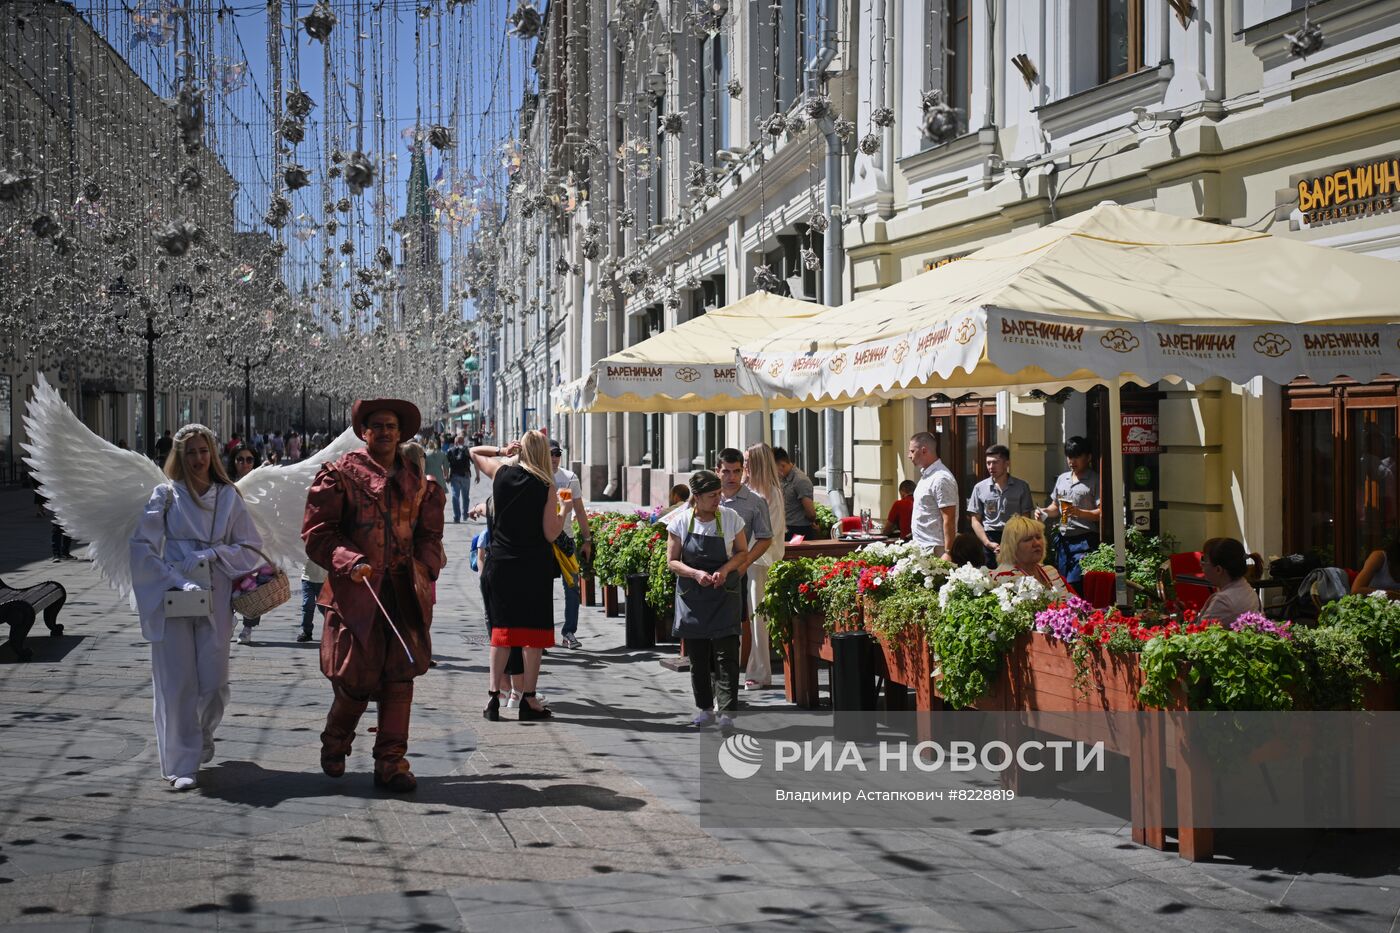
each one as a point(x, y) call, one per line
point(584, 823)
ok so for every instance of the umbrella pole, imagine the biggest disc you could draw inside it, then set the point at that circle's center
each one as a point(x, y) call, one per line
point(1115, 497)
point(767, 424)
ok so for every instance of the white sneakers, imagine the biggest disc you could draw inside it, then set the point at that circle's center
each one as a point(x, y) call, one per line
point(514, 701)
point(182, 783)
point(245, 637)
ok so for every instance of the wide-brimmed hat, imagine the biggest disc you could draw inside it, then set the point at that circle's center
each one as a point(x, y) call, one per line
point(410, 420)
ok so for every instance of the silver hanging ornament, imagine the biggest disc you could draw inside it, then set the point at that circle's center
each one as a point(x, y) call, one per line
point(735, 88)
point(189, 117)
point(796, 124)
point(765, 279)
point(588, 246)
point(561, 266)
point(525, 22)
point(278, 211)
point(697, 175)
point(366, 276)
point(129, 262)
point(818, 107)
point(940, 123)
point(818, 222)
point(343, 205)
point(673, 124)
point(332, 226)
point(845, 130)
point(440, 137)
point(320, 21)
point(870, 144)
point(190, 179)
point(359, 173)
point(292, 130)
point(810, 260)
point(776, 125)
point(361, 301)
point(627, 218)
point(299, 103)
point(1307, 40)
point(177, 238)
point(882, 117)
point(92, 192)
point(347, 248)
point(295, 177)
point(44, 226)
point(384, 257)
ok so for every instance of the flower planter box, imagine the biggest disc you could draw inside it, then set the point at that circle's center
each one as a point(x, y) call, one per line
point(800, 655)
point(589, 591)
point(612, 604)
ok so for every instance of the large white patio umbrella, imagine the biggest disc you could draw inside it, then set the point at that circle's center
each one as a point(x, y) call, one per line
point(1110, 295)
point(689, 368)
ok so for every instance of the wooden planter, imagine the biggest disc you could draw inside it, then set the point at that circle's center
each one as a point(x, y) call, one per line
point(588, 591)
point(800, 655)
point(612, 603)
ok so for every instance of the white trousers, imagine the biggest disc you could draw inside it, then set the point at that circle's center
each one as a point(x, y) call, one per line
point(189, 671)
point(760, 668)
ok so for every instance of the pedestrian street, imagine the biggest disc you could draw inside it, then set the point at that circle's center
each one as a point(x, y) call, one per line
point(585, 822)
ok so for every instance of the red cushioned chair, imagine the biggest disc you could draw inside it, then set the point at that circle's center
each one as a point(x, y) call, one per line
point(1097, 588)
point(1185, 564)
point(850, 523)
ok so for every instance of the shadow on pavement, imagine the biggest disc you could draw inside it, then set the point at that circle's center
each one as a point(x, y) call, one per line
point(250, 784)
point(46, 648)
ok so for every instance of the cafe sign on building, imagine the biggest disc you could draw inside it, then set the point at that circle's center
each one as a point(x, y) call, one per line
point(1349, 193)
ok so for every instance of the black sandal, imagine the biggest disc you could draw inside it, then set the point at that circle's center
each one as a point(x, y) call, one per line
point(493, 708)
point(528, 712)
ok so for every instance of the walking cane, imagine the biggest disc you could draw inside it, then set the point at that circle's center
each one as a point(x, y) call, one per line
point(392, 626)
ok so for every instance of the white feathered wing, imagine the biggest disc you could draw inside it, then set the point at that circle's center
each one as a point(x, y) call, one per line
point(95, 489)
point(276, 499)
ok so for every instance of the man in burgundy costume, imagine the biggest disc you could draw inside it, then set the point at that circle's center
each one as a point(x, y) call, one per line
point(371, 515)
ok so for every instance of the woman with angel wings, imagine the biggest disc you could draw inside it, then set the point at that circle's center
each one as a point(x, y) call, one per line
point(192, 512)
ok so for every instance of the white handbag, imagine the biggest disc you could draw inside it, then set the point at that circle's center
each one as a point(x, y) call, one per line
point(191, 603)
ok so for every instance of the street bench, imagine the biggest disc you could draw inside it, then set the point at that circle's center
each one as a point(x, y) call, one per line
point(19, 607)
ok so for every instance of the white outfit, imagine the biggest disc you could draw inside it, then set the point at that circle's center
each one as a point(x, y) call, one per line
point(760, 667)
point(568, 479)
point(189, 656)
point(936, 490)
point(1229, 602)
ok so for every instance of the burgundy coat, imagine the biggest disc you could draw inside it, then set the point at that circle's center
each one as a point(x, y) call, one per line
point(349, 513)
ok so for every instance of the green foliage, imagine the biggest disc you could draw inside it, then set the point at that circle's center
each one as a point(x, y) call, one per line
point(1335, 667)
point(623, 546)
point(1145, 556)
point(969, 642)
point(825, 519)
point(1220, 670)
point(661, 582)
point(903, 611)
point(783, 600)
point(1375, 620)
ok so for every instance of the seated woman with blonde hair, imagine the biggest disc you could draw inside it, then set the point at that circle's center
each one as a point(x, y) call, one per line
point(1023, 554)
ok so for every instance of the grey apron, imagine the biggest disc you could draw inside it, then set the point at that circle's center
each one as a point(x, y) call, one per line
point(706, 611)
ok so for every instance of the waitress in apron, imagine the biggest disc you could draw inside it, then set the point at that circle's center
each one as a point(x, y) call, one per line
point(706, 552)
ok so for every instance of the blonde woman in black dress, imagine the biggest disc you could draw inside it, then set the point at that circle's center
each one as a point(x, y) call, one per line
point(520, 573)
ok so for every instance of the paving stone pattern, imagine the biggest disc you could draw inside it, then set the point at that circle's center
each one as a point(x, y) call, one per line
point(585, 823)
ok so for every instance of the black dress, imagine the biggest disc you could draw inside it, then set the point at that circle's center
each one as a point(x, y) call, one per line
point(520, 568)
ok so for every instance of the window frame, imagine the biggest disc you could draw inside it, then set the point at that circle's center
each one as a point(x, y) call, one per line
point(1137, 39)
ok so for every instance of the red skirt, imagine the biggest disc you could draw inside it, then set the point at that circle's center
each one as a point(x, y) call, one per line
point(522, 637)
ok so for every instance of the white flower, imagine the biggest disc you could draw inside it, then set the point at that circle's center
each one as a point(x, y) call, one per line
point(974, 580)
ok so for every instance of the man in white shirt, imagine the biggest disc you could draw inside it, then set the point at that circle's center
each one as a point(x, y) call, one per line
point(935, 521)
point(565, 479)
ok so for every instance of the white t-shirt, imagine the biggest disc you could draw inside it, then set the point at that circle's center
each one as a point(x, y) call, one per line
point(565, 479)
point(678, 524)
point(937, 489)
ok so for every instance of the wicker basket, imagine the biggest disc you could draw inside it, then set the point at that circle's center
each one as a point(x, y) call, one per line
point(267, 597)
